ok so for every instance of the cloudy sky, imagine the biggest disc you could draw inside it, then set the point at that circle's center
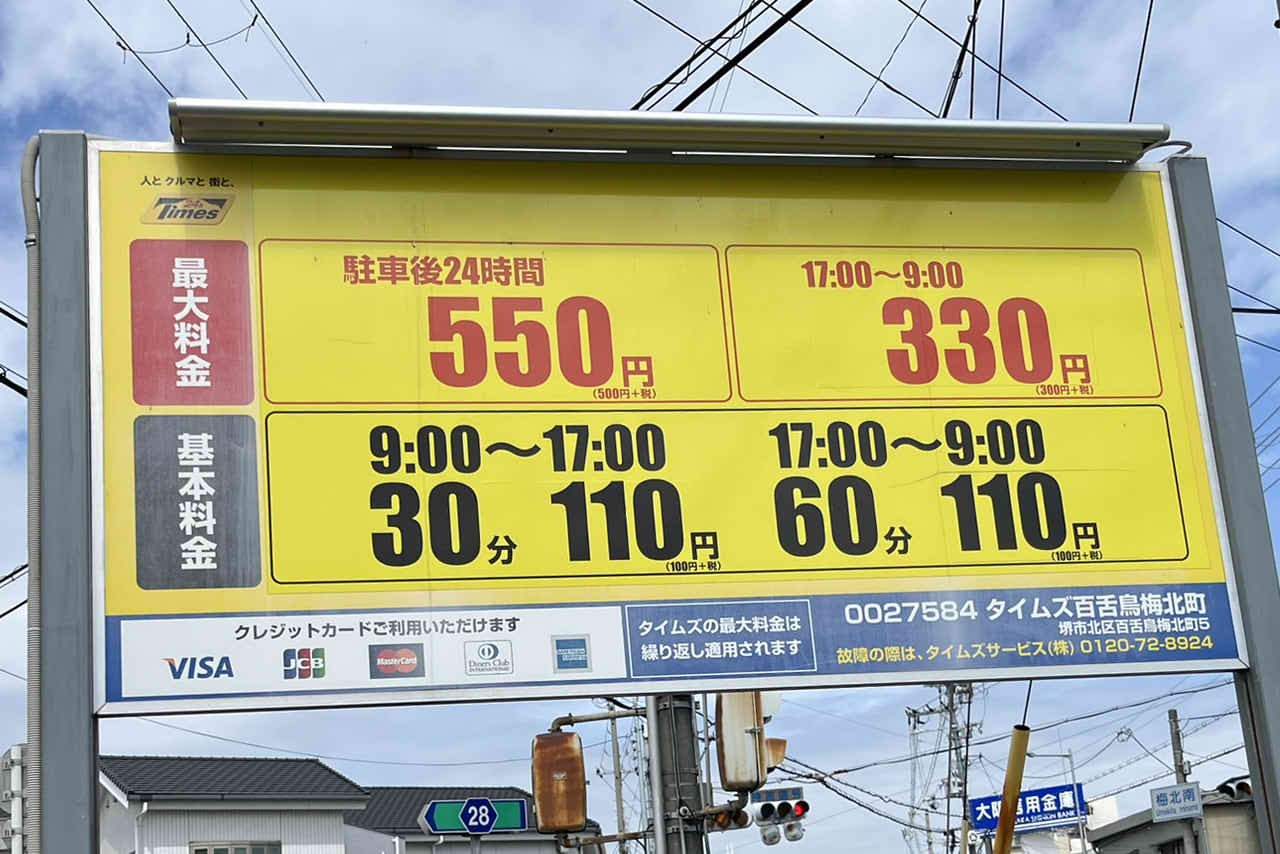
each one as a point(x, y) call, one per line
point(1210, 73)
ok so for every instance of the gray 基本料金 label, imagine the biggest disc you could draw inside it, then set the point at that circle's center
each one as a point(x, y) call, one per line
point(196, 501)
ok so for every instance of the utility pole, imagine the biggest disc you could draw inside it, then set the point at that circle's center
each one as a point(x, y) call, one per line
point(958, 706)
point(916, 719)
point(617, 784)
point(955, 701)
point(673, 744)
point(1180, 775)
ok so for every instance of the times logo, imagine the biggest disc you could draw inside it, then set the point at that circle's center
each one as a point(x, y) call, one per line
point(187, 210)
point(396, 661)
point(304, 663)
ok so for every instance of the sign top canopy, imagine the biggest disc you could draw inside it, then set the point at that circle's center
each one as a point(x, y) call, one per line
point(198, 120)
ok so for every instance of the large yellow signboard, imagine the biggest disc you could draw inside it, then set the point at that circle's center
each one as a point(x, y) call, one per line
point(446, 429)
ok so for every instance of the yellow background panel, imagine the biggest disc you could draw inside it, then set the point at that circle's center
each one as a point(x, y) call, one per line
point(327, 340)
point(1095, 302)
point(1113, 463)
point(322, 521)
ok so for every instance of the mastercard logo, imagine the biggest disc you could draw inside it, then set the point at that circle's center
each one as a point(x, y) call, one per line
point(396, 662)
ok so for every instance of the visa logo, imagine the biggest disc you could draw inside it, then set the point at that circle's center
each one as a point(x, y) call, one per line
point(202, 667)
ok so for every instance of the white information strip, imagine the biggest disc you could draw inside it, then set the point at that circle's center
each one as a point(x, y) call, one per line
point(367, 651)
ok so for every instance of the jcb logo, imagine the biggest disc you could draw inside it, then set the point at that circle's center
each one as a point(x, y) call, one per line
point(304, 663)
point(188, 210)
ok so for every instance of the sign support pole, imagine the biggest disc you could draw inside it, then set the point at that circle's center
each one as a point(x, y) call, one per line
point(1258, 688)
point(68, 762)
point(675, 741)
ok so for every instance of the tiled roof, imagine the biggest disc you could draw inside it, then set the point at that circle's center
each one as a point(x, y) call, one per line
point(394, 809)
point(148, 777)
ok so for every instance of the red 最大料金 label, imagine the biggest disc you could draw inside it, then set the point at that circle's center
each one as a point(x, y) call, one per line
point(190, 308)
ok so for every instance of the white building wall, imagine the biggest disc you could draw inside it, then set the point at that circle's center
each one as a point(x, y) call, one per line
point(301, 832)
point(498, 843)
point(1232, 829)
point(115, 825)
point(361, 841)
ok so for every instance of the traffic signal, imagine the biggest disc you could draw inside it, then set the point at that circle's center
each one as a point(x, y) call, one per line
point(746, 755)
point(793, 830)
point(559, 782)
point(740, 742)
point(781, 819)
point(731, 819)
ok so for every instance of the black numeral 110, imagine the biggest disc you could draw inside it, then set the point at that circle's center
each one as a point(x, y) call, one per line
point(1039, 498)
point(655, 505)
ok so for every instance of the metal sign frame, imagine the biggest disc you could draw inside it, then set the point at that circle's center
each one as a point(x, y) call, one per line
point(66, 406)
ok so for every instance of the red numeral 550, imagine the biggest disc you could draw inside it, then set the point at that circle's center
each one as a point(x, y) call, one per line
point(586, 364)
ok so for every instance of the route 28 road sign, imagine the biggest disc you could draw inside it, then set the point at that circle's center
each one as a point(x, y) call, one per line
point(474, 816)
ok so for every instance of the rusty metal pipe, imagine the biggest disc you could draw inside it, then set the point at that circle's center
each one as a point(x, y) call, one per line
point(1012, 788)
point(570, 720)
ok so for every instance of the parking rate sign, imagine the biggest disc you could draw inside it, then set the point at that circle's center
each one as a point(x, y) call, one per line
point(516, 429)
point(1038, 809)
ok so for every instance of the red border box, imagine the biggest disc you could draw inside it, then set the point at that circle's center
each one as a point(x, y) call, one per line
point(737, 365)
point(230, 347)
point(729, 366)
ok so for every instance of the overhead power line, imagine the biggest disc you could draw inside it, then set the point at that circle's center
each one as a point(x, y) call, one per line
point(999, 71)
point(1260, 394)
point(1052, 725)
point(744, 53)
point(258, 11)
point(860, 723)
point(1142, 54)
point(739, 37)
point(817, 775)
point(9, 611)
point(309, 753)
point(125, 42)
point(204, 45)
point(13, 314)
point(915, 16)
point(999, 60)
point(1253, 296)
point(187, 43)
point(1256, 341)
point(704, 51)
point(1251, 239)
point(745, 70)
point(956, 72)
point(333, 758)
point(1130, 735)
point(877, 78)
point(7, 378)
point(1161, 776)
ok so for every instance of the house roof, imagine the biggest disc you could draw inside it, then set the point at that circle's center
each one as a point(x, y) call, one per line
point(394, 809)
point(229, 778)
